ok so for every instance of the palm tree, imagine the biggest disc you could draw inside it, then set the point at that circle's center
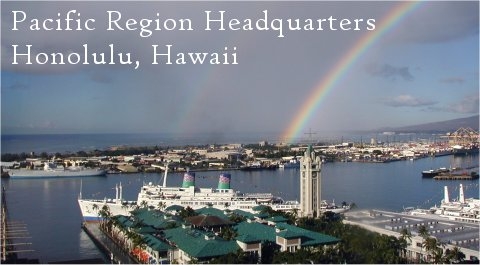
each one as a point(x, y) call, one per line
point(454, 255)
point(95, 208)
point(162, 205)
point(405, 240)
point(423, 232)
point(125, 207)
point(144, 204)
point(187, 212)
point(105, 215)
point(433, 246)
point(228, 233)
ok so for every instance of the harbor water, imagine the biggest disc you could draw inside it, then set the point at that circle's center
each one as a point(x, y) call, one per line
point(50, 211)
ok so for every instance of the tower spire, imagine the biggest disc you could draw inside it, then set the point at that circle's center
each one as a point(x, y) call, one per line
point(310, 184)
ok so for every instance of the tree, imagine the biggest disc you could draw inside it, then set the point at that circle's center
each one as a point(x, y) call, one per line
point(162, 205)
point(187, 212)
point(144, 204)
point(405, 240)
point(105, 215)
point(433, 246)
point(423, 232)
point(454, 255)
point(228, 233)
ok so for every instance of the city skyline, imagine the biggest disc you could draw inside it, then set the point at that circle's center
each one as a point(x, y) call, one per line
point(422, 69)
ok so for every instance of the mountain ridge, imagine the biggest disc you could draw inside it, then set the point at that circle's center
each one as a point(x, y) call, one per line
point(438, 127)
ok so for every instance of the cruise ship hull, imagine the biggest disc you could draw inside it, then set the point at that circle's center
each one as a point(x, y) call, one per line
point(91, 209)
point(222, 198)
point(25, 173)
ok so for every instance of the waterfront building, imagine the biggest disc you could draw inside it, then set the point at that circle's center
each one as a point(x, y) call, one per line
point(310, 184)
point(168, 238)
point(449, 233)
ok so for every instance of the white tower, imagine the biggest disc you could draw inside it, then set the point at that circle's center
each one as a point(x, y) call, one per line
point(310, 184)
point(446, 197)
point(462, 194)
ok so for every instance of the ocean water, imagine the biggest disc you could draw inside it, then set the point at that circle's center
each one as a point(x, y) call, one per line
point(49, 208)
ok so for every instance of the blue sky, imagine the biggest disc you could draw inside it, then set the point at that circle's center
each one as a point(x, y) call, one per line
point(423, 70)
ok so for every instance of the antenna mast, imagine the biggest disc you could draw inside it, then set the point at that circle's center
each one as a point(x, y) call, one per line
point(310, 133)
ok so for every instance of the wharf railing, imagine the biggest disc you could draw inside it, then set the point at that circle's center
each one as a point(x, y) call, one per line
point(12, 234)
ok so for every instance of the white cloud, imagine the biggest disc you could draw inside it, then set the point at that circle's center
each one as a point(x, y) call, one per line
point(407, 101)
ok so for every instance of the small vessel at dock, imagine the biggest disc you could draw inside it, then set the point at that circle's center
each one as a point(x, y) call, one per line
point(52, 170)
point(434, 172)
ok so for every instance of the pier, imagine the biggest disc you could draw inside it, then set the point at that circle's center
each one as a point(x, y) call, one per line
point(13, 235)
point(456, 176)
point(106, 244)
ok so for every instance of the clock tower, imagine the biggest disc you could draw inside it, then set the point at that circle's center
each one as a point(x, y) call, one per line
point(310, 184)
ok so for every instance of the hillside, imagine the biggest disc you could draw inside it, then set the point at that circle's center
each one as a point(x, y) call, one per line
point(440, 127)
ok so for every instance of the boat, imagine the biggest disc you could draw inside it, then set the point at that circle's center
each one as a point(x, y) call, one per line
point(188, 195)
point(434, 172)
point(459, 150)
point(326, 206)
point(462, 210)
point(293, 163)
point(257, 166)
point(52, 170)
point(92, 209)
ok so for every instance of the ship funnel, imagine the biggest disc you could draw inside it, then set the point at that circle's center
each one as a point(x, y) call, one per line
point(446, 198)
point(461, 194)
point(224, 181)
point(188, 180)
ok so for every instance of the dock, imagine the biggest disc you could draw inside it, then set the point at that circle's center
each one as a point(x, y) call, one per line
point(106, 245)
point(453, 176)
point(13, 237)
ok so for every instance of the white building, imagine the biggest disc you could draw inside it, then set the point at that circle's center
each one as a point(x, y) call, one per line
point(310, 184)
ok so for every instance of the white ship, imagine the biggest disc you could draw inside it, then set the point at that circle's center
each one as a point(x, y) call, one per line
point(293, 163)
point(52, 170)
point(161, 197)
point(464, 210)
point(92, 209)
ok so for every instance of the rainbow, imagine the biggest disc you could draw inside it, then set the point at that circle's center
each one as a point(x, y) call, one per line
point(326, 84)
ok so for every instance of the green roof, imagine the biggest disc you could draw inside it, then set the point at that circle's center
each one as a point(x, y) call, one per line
point(261, 215)
point(309, 238)
point(277, 219)
point(154, 218)
point(212, 211)
point(193, 242)
point(156, 244)
point(289, 234)
point(257, 230)
point(251, 232)
point(124, 221)
point(244, 213)
point(177, 208)
point(146, 230)
point(248, 238)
